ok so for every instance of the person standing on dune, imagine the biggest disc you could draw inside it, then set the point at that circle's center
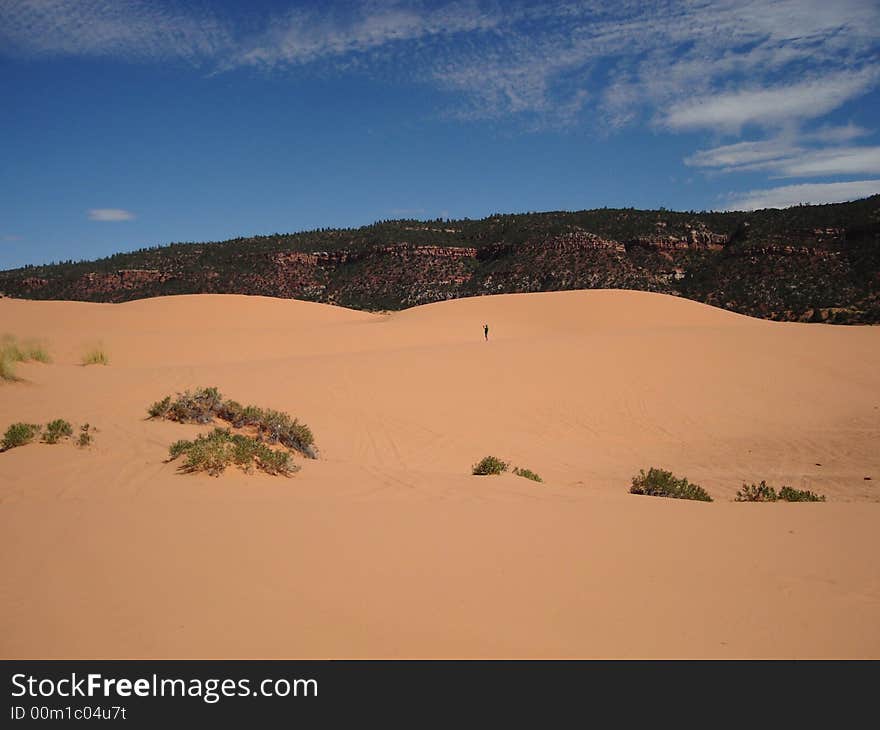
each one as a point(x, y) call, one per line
point(486, 332)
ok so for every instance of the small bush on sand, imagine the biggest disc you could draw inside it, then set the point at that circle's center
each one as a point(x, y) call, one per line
point(790, 494)
point(95, 356)
point(764, 493)
point(221, 448)
point(85, 437)
point(527, 473)
point(198, 406)
point(756, 493)
point(279, 428)
point(159, 409)
point(489, 465)
point(661, 483)
point(204, 404)
point(19, 434)
point(57, 430)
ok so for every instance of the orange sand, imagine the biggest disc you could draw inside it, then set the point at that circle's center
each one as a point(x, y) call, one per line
point(386, 546)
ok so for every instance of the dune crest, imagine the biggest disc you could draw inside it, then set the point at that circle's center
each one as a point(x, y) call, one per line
point(387, 546)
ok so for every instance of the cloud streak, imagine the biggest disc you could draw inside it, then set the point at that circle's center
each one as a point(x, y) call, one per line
point(110, 215)
point(685, 64)
point(726, 68)
point(769, 106)
point(807, 193)
point(794, 155)
point(129, 29)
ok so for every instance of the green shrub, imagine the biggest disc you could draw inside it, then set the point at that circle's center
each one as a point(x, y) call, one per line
point(245, 450)
point(236, 414)
point(789, 494)
point(275, 462)
point(57, 430)
point(204, 404)
point(764, 493)
point(178, 448)
point(19, 434)
point(206, 453)
point(199, 406)
point(220, 448)
point(527, 473)
point(489, 465)
point(95, 356)
point(280, 428)
point(756, 493)
point(661, 483)
point(85, 438)
point(159, 409)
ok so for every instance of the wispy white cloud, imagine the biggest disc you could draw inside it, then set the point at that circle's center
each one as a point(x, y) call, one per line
point(837, 134)
point(110, 215)
point(686, 64)
point(771, 105)
point(794, 155)
point(302, 36)
point(774, 69)
point(729, 52)
point(832, 161)
point(808, 193)
point(740, 155)
point(129, 29)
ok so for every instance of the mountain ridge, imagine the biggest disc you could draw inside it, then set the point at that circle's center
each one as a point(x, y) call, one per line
point(818, 263)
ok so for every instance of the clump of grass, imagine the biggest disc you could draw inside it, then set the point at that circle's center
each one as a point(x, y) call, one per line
point(23, 351)
point(790, 494)
point(489, 465)
point(9, 349)
point(756, 493)
point(57, 430)
point(95, 356)
point(205, 404)
point(12, 351)
point(19, 434)
point(527, 473)
point(7, 369)
point(221, 448)
point(35, 352)
point(661, 483)
point(85, 437)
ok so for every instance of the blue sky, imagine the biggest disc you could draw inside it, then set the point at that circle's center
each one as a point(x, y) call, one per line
point(133, 123)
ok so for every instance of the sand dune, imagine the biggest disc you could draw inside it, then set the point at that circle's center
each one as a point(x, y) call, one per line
point(386, 546)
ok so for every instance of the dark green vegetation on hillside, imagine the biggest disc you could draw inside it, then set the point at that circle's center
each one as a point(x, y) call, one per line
point(809, 263)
